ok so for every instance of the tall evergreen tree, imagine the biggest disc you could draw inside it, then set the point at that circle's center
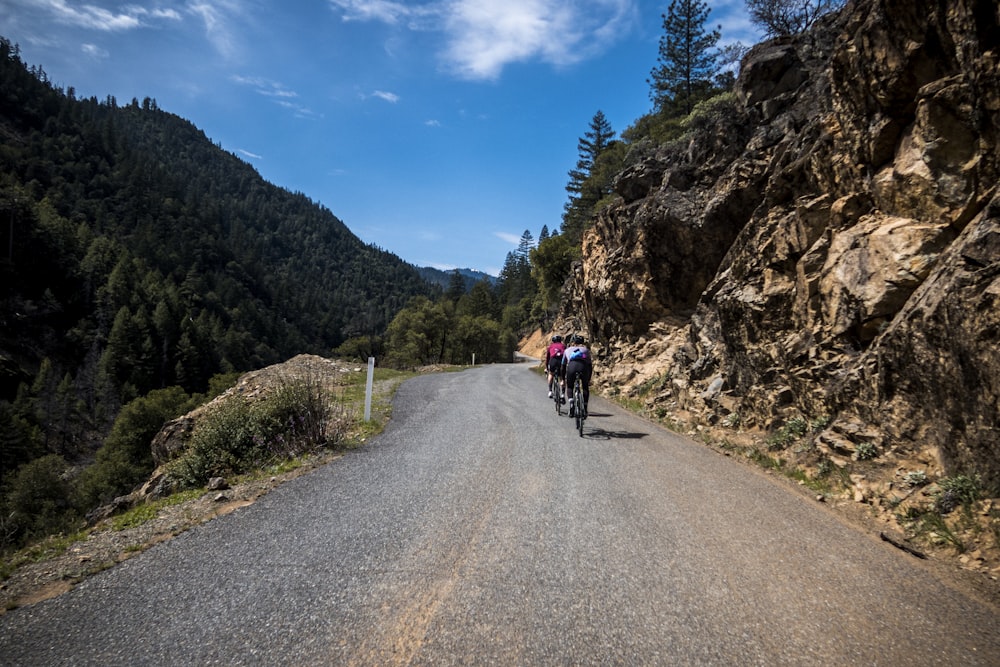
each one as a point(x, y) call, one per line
point(456, 286)
point(584, 190)
point(687, 62)
point(598, 137)
point(524, 248)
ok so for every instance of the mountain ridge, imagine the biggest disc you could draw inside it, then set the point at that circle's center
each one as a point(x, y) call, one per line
point(143, 256)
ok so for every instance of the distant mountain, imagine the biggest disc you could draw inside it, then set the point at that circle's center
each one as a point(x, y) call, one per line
point(443, 278)
point(137, 254)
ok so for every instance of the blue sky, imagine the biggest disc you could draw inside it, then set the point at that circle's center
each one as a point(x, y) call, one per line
point(439, 130)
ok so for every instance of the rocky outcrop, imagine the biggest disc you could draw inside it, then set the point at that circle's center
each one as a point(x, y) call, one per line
point(824, 244)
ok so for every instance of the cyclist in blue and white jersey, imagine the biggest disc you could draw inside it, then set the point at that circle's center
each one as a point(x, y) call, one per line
point(578, 361)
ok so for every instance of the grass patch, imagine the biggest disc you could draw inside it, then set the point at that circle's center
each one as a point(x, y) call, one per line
point(148, 511)
point(793, 430)
point(46, 549)
point(764, 460)
point(932, 527)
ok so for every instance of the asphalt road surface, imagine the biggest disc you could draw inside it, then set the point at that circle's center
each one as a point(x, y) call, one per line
point(480, 529)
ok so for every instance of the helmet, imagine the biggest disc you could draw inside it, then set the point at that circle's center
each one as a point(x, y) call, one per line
point(557, 338)
point(578, 339)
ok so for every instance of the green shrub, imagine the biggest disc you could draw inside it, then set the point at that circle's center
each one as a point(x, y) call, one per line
point(819, 423)
point(797, 427)
point(958, 491)
point(125, 459)
point(708, 114)
point(237, 436)
point(866, 451)
point(37, 501)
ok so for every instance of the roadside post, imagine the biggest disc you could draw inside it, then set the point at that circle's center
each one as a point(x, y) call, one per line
point(368, 388)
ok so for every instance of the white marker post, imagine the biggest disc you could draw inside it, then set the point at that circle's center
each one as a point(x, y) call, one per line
point(368, 388)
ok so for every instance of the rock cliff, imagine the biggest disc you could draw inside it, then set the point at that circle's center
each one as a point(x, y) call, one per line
point(822, 246)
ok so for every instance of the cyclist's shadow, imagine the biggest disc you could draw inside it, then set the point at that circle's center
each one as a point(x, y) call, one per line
point(603, 434)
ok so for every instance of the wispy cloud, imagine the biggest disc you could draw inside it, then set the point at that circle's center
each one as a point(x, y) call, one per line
point(299, 110)
point(89, 16)
point(415, 16)
point(250, 155)
point(388, 97)
point(432, 123)
point(484, 36)
point(92, 17)
point(217, 26)
point(513, 239)
point(94, 51)
point(734, 19)
point(277, 91)
point(265, 87)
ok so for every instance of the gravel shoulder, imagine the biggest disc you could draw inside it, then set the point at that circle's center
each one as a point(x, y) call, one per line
point(106, 546)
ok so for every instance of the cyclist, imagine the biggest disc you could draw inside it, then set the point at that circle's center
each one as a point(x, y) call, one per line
point(553, 360)
point(577, 361)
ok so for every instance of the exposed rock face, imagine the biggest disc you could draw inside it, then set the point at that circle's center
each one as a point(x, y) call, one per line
point(825, 244)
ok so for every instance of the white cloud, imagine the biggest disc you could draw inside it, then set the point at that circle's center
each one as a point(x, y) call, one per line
point(94, 51)
point(92, 17)
point(513, 239)
point(216, 27)
point(432, 123)
point(89, 16)
point(484, 36)
point(250, 155)
point(368, 10)
point(265, 87)
point(388, 97)
point(281, 95)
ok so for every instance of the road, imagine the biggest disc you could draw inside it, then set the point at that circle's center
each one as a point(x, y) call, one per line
point(480, 529)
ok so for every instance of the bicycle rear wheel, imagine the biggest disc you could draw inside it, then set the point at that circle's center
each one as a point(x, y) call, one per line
point(557, 395)
point(578, 410)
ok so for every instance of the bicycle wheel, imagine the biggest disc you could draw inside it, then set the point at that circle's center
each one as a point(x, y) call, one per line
point(578, 406)
point(557, 395)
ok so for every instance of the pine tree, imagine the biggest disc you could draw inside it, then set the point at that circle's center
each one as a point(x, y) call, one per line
point(524, 248)
point(584, 190)
point(687, 61)
point(597, 138)
point(456, 286)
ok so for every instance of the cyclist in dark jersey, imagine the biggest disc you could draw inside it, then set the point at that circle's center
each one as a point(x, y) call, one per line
point(553, 360)
point(577, 361)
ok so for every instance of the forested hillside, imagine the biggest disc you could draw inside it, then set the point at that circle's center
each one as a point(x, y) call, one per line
point(138, 255)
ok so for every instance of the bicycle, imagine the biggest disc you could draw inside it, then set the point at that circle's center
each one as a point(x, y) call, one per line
point(579, 409)
point(557, 394)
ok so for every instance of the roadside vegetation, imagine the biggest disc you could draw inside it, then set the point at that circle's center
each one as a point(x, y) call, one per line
point(291, 426)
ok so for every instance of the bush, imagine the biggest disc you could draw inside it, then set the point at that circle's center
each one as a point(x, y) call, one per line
point(125, 459)
point(37, 502)
point(958, 491)
point(866, 451)
point(238, 436)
